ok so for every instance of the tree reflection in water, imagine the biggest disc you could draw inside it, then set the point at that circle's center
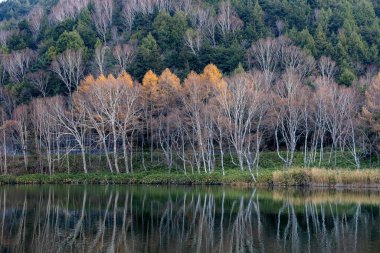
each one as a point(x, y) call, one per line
point(184, 219)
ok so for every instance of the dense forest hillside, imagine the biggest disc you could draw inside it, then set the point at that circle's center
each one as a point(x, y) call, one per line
point(182, 35)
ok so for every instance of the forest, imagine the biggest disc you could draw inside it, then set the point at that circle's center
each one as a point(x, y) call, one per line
point(203, 83)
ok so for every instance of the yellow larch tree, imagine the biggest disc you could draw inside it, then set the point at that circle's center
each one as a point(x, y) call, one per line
point(125, 79)
point(169, 87)
point(150, 86)
point(214, 76)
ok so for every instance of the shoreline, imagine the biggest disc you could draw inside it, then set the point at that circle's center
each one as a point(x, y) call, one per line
point(306, 178)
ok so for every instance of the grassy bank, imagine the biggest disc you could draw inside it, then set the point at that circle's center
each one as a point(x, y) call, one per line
point(272, 173)
point(281, 178)
point(269, 161)
point(148, 177)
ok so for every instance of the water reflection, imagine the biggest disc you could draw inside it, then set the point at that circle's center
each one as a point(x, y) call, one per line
point(182, 219)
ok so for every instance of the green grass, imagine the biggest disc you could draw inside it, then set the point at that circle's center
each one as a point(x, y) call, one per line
point(272, 172)
point(149, 177)
point(280, 177)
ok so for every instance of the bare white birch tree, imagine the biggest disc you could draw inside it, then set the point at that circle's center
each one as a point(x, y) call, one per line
point(102, 16)
point(40, 80)
point(124, 54)
point(69, 68)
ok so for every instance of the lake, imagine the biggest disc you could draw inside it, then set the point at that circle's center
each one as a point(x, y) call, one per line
point(187, 219)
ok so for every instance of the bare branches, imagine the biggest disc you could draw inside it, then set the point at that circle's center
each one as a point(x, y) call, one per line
point(21, 118)
point(35, 18)
point(40, 80)
point(227, 19)
point(272, 55)
point(128, 14)
point(124, 54)
point(327, 69)
point(67, 9)
point(266, 53)
point(193, 39)
point(43, 126)
point(18, 63)
point(4, 36)
point(69, 67)
point(102, 16)
point(72, 123)
point(100, 56)
point(289, 103)
point(295, 60)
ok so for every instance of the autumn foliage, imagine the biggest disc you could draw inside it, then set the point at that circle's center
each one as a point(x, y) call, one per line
point(199, 124)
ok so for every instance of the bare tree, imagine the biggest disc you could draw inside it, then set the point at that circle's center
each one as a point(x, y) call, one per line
point(227, 18)
point(327, 69)
point(129, 115)
point(244, 108)
point(128, 14)
point(266, 54)
point(72, 123)
point(69, 67)
point(2, 70)
point(193, 40)
point(18, 63)
point(21, 120)
point(336, 112)
point(4, 36)
point(164, 5)
point(319, 120)
point(144, 6)
point(199, 16)
point(43, 125)
point(35, 19)
point(290, 98)
point(355, 139)
point(67, 9)
point(100, 57)
point(124, 54)
point(294, 59)
point(183, 5)
point(4, 140)
point(40, 80)
point(102, 16)
point(280, 25)
point(194, 95)
point(211, 29)
point(168, 91)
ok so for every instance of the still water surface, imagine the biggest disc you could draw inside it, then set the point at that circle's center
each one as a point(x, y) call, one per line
point(186, 219)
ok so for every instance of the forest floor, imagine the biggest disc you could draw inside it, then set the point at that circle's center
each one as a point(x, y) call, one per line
point(271, 173)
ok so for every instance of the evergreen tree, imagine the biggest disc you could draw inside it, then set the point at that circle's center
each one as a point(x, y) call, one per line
point(69, 40)
point(170, 31)
point(148, 58)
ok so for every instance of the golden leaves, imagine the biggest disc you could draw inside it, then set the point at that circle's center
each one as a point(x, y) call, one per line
point(150, 83)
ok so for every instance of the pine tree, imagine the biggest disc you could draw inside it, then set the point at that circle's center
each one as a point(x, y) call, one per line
point(148, 57)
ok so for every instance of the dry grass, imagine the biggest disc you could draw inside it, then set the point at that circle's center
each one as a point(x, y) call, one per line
point(327, 177)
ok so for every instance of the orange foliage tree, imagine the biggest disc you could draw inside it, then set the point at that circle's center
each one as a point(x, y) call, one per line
point(110, 105)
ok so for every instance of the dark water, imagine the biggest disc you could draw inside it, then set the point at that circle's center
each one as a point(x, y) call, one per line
point(186, 219)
